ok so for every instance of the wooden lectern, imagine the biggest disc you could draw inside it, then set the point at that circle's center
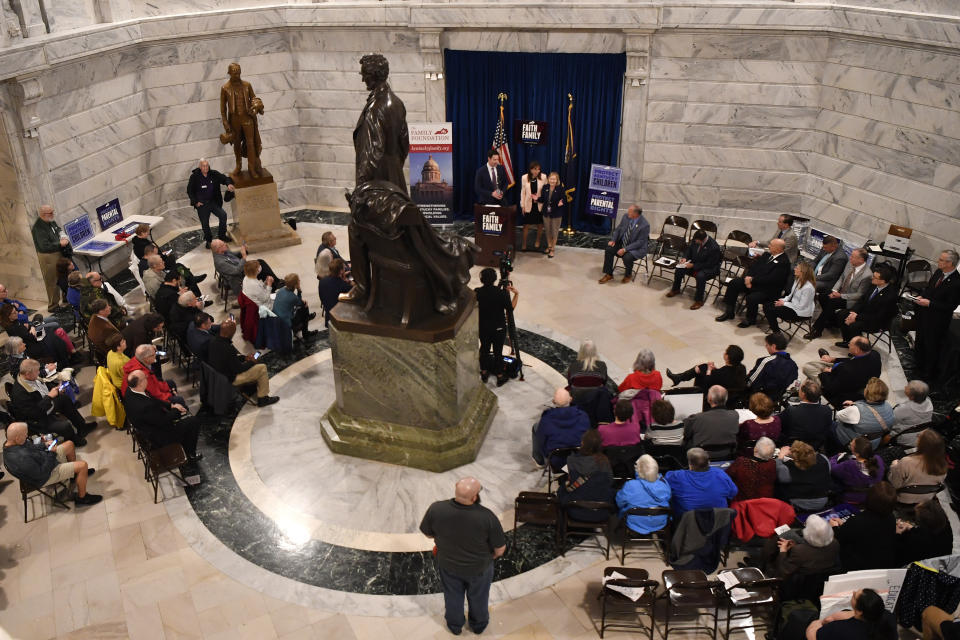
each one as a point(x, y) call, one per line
point(494, 229)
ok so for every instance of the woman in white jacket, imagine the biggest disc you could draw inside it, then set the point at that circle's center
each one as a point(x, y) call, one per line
point(797, 305)
point(256, 290)
point(532, 184)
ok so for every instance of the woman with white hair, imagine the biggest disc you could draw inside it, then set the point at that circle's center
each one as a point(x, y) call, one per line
point(816, 553)
point(648, 490)
point(587, 362)
point(15, 350)
point(645, 374)
point(917, 410)
point(755, 475)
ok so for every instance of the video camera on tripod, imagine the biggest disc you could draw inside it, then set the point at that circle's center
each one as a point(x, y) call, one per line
point(512, 365)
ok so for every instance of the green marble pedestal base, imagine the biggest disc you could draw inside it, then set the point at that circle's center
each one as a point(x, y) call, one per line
point(416, 402)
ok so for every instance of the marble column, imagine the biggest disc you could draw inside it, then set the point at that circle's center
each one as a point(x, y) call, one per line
point(18, 260)
point(634, 121)
point(435, 85)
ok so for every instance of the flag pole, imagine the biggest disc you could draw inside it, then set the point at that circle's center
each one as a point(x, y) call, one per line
point(569, 230)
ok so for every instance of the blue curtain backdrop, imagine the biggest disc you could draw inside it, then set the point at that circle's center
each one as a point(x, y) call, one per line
point(537, 85)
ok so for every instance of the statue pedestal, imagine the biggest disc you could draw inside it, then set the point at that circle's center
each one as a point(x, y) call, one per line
point(416, 401)
point(256, 214)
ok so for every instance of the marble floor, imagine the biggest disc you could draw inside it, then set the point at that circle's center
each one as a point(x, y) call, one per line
point(283, 539)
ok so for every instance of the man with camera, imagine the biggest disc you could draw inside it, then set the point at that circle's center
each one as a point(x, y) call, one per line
point(46, 410)
point(494, 303)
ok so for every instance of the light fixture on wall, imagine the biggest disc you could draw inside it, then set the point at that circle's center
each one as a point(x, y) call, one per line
point(636, 82)
point(433, 76)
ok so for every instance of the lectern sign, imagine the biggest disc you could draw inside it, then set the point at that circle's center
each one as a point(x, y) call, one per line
point(491, 224)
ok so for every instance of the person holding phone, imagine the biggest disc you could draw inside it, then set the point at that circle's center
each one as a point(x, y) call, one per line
point(239, 370)
point(46, 410)
point(46, 463)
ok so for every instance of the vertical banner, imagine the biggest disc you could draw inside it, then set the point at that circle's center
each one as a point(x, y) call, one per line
point(431, 166)
point(603, 194)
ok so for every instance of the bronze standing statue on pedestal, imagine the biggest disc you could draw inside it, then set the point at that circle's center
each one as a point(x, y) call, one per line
point(388, 233)
point(239, 107)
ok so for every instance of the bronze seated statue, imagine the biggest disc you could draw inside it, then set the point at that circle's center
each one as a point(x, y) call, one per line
point(403, 268)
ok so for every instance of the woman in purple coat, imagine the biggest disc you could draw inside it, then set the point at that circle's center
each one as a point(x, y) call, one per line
point(855, 472)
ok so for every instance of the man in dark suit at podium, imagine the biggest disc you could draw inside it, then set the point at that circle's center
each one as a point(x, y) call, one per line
point(490, 181)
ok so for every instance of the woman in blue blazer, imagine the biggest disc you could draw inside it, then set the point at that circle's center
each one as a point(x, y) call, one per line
point(552, 210)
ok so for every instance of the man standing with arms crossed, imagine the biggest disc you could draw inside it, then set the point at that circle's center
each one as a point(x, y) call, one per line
point(469, 538)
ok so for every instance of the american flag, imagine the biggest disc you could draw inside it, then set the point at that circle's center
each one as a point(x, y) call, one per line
point(500, 144)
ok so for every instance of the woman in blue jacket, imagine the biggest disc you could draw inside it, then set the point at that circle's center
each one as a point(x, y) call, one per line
point(648, 490)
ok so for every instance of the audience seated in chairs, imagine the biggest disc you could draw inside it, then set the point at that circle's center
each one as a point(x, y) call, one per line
point(628, 240)
point(587, 362)
point(327, 253)
point(855, 471)
point(846, 292)
point(257, 290)
point(144, 358)
point(623, 431)
point(74, 294)
point(701, 262)
point(828, 265)
point(645, 374)
point(332, 285)
point(142, 330)
point(561, 426)
point(167, 294)
point(16, 351)
point(144, 248)
point(871, 417)
point(868, 540)
point(664, 433)
point(775, 372)
point(700, 486)
point(155, 275)
point(290, 307)
point(183, 314)
point(116, 358)
point(803, 477)
point(928, 466)
point(867, 620)
point(100, 327)
point(36, 466)
point(732, 376)
point(765, 424)
point(917, 410)
point(927, 536)
point(762, 282)
point(590, 478)
point(798, 304)
point(816, 554)
point(96, 289)
point(199, 334)
point(230, 265)
point(238, 369)
point(49, 346)
point(939, 624)
point(648, 490)
point(755, 473)
point(160, 422)
point(809, 420)
point(46, 410)
point(843, 379)
point(714, 429)
point(874, 311)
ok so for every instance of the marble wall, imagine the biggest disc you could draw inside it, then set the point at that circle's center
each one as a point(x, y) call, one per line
point(735, 114)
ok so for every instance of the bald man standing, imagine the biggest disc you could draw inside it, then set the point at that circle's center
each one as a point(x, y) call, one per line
point(51, 244)
point(469, 538)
